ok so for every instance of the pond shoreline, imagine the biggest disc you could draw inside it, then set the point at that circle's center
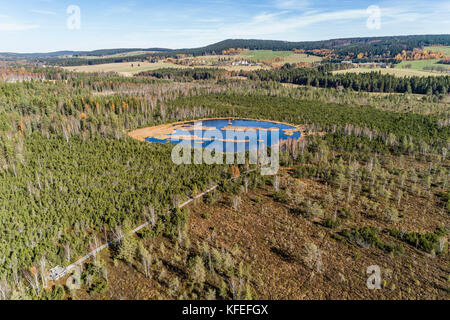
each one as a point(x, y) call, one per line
point(169, 128)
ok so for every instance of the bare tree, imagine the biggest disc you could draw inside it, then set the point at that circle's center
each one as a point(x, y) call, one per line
point(146, 259)
point(276, 183)
point(175, 200)
point(441, 244)
point(33, 280)
point(236, 203)
point(67, 251)
point(118, 234)
point(399, 196)
point(153, 217)
point(43, 271)
point(146, 264)
point(233, 287)
point(313, 257)
point(105, 272)
point(93, 247)
point(180, 238)
point(15, 274)
point(5, 290)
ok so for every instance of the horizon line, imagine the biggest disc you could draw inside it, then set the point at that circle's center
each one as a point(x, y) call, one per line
point(228, 39)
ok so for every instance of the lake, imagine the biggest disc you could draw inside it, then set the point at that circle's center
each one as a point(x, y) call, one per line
point(231, 135)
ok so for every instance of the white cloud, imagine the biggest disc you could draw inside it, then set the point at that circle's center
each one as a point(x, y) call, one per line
point(17, 27)
point(269, 24)
point(45, 12)
point(291, 4)
point(184, 27)
point(284, 24)
point(210, 20)
point(118, 9)
point(266, 17)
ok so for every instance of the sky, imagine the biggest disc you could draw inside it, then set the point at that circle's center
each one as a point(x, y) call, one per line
point(53, 25)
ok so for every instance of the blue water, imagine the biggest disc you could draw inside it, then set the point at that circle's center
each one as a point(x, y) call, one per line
point(253, 138)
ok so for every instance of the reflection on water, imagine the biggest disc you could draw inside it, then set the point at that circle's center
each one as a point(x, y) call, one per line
point(228, 135)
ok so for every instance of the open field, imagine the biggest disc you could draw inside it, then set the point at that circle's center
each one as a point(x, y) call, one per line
point(284, 56)
point(444, 49)
point(238, 68)
point(422, 65)
point(394, 71)
point(125, 68)
point(117, 55)
point(264, 55)
point(299, 58)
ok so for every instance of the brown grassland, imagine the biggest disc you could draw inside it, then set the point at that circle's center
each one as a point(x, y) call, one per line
point(274, 249)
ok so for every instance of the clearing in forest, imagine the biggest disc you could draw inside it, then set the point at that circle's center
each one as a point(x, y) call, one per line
point(282, 56)
point(394, 71)
point(431, 65)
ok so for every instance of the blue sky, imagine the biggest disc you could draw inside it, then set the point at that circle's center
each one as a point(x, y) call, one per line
point(41, 25)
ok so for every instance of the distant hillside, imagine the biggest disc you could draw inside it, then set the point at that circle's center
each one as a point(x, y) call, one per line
point(12, 55)
point(374, 48)
point(375, 45)
point(56, 54)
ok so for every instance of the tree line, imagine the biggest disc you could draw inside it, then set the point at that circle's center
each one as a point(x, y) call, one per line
point(370, 82)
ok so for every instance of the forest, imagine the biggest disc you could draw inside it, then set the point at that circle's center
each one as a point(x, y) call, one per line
point(71, 178)
point(374, 46)
point(371, 82)
point(185, 74)
point(374, 49)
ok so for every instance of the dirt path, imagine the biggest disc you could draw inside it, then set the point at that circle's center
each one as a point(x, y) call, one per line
point(54, 276)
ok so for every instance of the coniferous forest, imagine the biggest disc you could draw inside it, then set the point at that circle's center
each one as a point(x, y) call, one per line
point(367, 183)
point(371, 82)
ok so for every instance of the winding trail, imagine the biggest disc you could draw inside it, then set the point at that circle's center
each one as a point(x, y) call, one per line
point(59, 272)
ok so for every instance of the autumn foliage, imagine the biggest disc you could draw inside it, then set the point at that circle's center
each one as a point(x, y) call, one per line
point(419, 54)
point(235, 172)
